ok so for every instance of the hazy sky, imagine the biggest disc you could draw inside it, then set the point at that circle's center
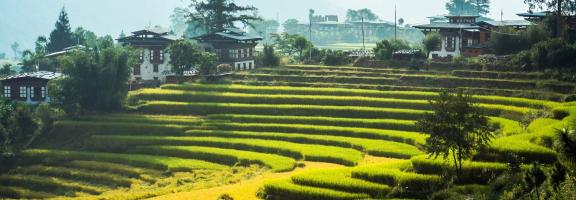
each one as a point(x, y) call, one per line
point(24, 20)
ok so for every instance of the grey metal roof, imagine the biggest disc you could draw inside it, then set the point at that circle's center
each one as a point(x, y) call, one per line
point(40, 74)
point(507, 23)
point(447, 25)
point(156, 29)
point(534, 14)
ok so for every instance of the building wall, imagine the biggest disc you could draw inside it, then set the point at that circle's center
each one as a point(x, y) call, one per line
point(244, 65)
point(32, 91)
point(444, 52)
point(147, 72)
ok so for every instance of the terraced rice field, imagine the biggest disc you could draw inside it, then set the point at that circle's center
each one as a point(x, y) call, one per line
point(183, 138)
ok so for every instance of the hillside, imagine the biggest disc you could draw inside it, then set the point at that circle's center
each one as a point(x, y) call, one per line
point(271, 128)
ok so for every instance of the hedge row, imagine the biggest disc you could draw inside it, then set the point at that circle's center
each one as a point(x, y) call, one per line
point(270, 109)
point(341, 180)
point(409, 95)
point(92, 177)
point(370, 146)
point(472, 172)
point(362, 69)
point(308, 152)
point(10, 192)
point(398, 136)
point(223, 156)
point(390, 124)
point(286, 189)
point(145, 161)
point(49, 184)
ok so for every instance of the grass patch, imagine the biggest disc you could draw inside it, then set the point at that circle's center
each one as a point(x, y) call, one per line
point(287, 189)
point(341, 180)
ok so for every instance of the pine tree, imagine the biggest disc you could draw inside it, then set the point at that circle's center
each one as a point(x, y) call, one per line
point(61, 37)
point(217, 15)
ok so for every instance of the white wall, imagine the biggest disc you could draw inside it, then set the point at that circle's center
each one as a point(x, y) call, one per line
point(443, 53)
point(240, 65)
point(147, 68)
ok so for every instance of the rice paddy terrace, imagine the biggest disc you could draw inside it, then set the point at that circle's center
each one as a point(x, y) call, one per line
point(179, 138)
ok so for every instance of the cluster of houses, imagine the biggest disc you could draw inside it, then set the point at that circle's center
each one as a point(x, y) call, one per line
point(232, 46)
point(461, 36)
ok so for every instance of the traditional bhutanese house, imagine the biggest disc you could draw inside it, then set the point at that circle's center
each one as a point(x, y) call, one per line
point(232, 46)
point(457, 34)
point(465, 36)
point(154, 60)
point(28, 87)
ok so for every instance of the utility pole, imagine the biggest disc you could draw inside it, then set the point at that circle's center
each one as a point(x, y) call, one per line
point(395, 23)
point(363, 35)
point(311, 16)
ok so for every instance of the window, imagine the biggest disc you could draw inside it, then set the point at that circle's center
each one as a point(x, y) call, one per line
point(31, 92)
point(152, 55)
point(155, 68)
point(238, 66)
point(141, 55)
point(155, 78)
point(249, 65)
point(244, 65)
point(137, 70)
point(22, 92)
point(7, 91)
point(450, 43)
point(161, 55)
point(43, 92)
point(233, 53)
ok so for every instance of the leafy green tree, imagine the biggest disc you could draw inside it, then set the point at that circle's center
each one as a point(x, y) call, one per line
point(456, 127)
point(6, 70)
point(291, 26)
point(468, 7)
point(269, 57)
point(300, 44)
point(36, 57)
point(182, 25)
point(385, 48)
point(356, 15)
point(95, 81)
point(15, 49)
point(431, 42)
point(534, 179)
point(264, 28)
point(17, 126)
point(85, 37)
point(217, 15)
point(207, 64)
point(184, 56)
point(62, 36)
point(560, 7)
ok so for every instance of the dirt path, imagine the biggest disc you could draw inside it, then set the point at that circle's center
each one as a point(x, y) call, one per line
point(246, 190)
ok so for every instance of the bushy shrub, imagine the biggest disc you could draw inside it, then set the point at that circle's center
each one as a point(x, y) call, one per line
point(281, 189)
point(385, 48)
point(335, 58)
point(269, 58)
point(554, 53)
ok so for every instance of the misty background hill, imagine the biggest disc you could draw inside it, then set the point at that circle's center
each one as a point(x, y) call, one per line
point(23, 21)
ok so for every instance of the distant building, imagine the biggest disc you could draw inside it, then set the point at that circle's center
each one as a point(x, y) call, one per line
point(232, 46)
point(465, 36)
point(66, 51)
point(31, 88)
point(152, 43)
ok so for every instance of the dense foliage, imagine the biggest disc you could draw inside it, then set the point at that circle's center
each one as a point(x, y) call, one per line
point(268, 57)
point(216, 15)
point(94, 81)
point(186, 56)
point(457, 128)
point(385, 48)
point(431, 42)
point(17, 125)
point(62, 35)
point(468, 7)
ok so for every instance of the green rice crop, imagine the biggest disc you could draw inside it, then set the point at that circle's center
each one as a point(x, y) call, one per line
point(472, 171)
point(49, 184)
point(96, 127)
point(148, 119)
point(318, 153)
point(390, 124)
point(146, 161)
point(272, 109)
point(398, 136)
point(411, 184)
point(341, 180)
point(10, 192)
point(76, 174)
point(106, 167)
point(287, 189)
point(222, 156)
point(507, 127)
point(371, 146)
point(329, 79)
point(411, 95)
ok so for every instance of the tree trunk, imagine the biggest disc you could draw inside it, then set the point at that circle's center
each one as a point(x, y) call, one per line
point(559, 20)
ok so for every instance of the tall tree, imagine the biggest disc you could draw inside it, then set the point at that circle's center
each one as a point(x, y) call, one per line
point(431, 42)
point(468, 7)
point(217, 15)
point(559, 7)
point(356, 15)
point(85, 37)
point(264, 28)
point(33, 58)
point(186, 56)
point(291, 26)
point(6, 70)
point(457, 128)
point(95, 81)
point(61, 37)
point(16, 49)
